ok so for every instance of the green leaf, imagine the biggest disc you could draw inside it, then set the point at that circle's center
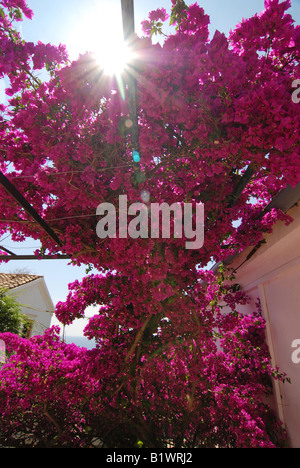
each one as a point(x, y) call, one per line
point(18, 13)
point(172, 20)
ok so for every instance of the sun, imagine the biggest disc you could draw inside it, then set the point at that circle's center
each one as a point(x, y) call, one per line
point(113, 56)
point(100, 32)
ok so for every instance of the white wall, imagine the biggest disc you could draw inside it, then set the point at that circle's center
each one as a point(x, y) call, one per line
point(35, 303)
point(273, 276)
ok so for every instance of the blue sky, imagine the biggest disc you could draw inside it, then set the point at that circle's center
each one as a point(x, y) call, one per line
point(73, 22)
point(63, 20)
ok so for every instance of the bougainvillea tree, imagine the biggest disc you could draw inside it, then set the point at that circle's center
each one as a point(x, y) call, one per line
point(217, 125)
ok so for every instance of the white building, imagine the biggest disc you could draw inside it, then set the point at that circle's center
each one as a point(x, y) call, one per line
point(32, 294)
point(270, 272)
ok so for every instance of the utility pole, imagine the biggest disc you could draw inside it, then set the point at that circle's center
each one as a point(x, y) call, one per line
point(129, 38)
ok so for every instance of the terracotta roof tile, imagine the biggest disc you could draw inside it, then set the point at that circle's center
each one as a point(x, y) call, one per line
point(11, 280)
